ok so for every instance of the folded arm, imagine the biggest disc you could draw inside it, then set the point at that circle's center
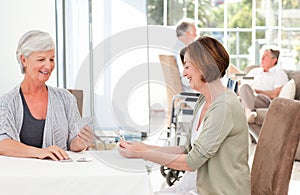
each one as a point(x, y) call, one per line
point(271, 94)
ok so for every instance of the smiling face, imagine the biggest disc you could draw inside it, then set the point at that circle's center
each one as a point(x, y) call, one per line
point(205, 61)
point(39, 65)
point(193, 74)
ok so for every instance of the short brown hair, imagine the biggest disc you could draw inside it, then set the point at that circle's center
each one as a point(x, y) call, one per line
point(209, 55)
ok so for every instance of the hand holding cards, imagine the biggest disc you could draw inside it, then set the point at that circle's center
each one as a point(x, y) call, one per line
point(85, 133)
point(86, 121)
point(120, 134)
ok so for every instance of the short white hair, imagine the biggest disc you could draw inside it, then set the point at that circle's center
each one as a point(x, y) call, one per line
point(33, 41)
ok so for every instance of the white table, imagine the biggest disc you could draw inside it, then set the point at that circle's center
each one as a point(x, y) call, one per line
point(107, 173)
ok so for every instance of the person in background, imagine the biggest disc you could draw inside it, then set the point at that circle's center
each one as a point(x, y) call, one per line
point(37, 120)
point(186, 33)
point(267, 84)
point(215, 157)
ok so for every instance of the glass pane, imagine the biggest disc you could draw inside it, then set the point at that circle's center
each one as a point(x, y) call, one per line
point(239, 44)
point(272, 36)
point(219, 35)
point(242, 60)
point(239, 14)
point(206, 13)
point(267, 13)
point(213, 17)
point(290, 13)
point(155, 12)
point(233, 61)
point(267, 36)
point(178, 9)
point(290, 52)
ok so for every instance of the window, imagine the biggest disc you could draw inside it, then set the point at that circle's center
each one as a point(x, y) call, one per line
point(112, 49)
point(243, 26)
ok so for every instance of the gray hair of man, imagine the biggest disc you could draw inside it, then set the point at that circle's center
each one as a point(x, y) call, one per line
point(274, 50)
point(183, 26)
point(33, 41)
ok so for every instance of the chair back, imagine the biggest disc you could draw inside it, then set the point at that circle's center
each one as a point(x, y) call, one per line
point(171, 74)
point(276, 148)
point(172, 79)
point(79, 97)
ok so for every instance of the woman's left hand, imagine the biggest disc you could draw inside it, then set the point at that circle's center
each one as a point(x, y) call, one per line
point(86, 136)
point(132, 149)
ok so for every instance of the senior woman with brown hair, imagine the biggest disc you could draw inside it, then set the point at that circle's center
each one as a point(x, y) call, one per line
point(216, 153)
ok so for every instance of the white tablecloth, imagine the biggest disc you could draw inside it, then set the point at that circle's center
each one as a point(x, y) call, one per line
point(107, 173)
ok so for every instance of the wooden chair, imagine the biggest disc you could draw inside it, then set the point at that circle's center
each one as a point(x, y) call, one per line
point(79, 97)
point(172, 79)
point(276, 148)
point(172, 76)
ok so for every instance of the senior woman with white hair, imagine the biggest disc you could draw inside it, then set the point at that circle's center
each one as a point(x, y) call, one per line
point(37, 120)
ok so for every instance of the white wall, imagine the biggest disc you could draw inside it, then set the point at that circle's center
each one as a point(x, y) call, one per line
point(16, 18)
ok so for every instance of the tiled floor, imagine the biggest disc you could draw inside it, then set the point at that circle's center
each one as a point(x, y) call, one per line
point(158, 181)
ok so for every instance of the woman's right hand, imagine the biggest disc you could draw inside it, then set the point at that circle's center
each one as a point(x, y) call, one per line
point(53, 152)
point(132, 149)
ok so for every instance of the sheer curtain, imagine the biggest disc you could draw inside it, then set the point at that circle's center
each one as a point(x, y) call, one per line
point(106, 55)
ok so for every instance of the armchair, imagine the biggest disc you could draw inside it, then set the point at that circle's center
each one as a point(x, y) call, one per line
point(261, 113)
point(275, 151)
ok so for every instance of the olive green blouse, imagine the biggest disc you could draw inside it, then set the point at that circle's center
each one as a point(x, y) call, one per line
point(220, 153)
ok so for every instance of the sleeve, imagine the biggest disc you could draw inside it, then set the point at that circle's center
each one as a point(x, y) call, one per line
point(217, 125)
point(281, 78)
point(73, 116)
point(4, 130)
point(8, 124)
point(62, 113)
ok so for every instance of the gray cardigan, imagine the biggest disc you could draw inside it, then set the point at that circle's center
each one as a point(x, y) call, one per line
point(62, 114)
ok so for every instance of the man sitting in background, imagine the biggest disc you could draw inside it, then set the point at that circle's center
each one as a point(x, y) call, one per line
point(267, 84)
